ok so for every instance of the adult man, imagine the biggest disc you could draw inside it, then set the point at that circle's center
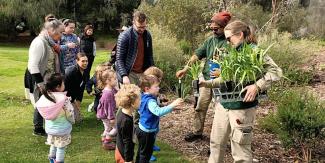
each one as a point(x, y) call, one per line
point(134, 51)
point(208, 51)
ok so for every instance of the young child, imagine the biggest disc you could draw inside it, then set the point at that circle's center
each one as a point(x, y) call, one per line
point(161, 100)
point(56, 109)
point(69, 43)
point(92, 82)
point(149, 116)
point(128, 100)
point(107, 107)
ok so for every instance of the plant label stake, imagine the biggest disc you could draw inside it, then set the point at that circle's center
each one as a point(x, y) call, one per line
point(179, 88)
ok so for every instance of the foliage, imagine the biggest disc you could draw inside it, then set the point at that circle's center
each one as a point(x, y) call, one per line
point(168, 56)
point(195, 70)
point(243, 66)
point(292, 56)
point(299, 120)
point(109, 13)
point(186, 19)
point(186, 47)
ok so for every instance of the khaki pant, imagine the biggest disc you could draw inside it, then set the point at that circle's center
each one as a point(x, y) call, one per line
point(134, 78)
point(236, 125)
point(201, 109)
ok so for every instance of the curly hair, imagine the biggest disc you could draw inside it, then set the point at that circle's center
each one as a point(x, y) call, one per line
point(103, 76)
point(127, 96)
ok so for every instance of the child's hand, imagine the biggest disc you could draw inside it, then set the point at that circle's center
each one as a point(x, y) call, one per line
point(177, 102)
point(112, 121)
point(92, 94)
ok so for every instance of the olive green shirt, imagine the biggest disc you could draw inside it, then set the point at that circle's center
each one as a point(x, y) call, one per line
point(207, 50)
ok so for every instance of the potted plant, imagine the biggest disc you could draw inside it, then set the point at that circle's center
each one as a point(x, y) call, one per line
point(239, 69)
point(195, 70)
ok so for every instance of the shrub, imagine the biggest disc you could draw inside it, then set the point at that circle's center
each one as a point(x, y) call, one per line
point(299, 121)
point(292, 56)
point(167, 55)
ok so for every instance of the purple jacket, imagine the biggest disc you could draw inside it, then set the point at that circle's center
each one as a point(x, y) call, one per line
point(107, 106)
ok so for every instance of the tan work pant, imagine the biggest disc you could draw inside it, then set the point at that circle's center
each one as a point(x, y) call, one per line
point(201, 109)
point(236, 125)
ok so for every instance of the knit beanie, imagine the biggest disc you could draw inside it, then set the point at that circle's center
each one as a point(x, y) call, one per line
point(221, 18)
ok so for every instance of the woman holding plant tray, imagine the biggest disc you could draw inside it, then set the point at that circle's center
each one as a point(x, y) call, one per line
point(244, 63)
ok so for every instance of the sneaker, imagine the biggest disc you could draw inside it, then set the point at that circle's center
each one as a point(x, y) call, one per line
point(52, 160)
point(108, 145)
point(155, 148)
point(90, 107)
point(39, 132)
point(192, 137)
point(153, 158)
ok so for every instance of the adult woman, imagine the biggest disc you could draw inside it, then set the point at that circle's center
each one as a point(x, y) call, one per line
point(41, 63)
point(75, 82)
point(236, 119)
point(88, 46)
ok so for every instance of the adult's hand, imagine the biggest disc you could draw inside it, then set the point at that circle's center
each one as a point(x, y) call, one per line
point(126, 80)
point(251, 92)
point(215, 73)
point(202, 83)
point(181, 73)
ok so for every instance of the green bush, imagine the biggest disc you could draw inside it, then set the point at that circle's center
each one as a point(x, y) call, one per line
point(292, 56)
point(167, 55)
point(299, 120)
point(185, 19)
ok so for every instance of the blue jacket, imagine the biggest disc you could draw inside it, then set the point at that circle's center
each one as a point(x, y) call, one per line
point(127, 44)
point(150, 112)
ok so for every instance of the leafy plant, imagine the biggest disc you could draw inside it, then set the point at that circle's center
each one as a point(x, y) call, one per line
point(299, 121)
point(184, 90)
point(243, 66)
point(195, 70)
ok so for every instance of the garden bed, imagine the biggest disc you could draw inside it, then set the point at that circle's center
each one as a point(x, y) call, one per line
point(266, 147)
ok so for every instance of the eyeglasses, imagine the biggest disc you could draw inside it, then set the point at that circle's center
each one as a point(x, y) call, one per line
point(228, 38)
point(141, 27)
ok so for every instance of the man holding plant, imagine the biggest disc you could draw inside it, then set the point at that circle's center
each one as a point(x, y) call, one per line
point(207, 50)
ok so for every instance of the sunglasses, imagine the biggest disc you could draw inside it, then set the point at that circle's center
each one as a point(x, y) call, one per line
point(228, 38)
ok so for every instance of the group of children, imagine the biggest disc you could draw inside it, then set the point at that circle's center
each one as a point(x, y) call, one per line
point(130, 114)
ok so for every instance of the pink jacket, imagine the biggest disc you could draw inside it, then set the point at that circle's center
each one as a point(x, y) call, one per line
point(50, 110)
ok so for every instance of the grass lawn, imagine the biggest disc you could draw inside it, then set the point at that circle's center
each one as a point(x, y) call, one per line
point(17, 144)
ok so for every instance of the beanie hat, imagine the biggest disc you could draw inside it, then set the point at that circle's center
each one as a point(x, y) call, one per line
point(221, 18)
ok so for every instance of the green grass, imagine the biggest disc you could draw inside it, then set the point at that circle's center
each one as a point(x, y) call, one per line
point(17, 144)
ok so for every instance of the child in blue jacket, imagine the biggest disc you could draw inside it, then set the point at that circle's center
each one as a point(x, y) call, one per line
point(150, 112)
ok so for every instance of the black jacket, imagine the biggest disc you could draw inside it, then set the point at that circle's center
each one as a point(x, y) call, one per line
point(87, 44)
point(75, 83)
point(126, 52)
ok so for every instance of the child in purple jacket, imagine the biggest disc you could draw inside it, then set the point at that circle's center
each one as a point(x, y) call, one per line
point(107, 107)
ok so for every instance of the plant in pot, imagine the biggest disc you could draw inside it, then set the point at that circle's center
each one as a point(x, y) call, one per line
point(195, 70)
point(239, 69)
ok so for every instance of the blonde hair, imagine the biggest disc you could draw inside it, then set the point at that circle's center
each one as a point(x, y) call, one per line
point(98, 73)
point(155, 71)
point(238, 26)
point(127, 96)
point(103, 77)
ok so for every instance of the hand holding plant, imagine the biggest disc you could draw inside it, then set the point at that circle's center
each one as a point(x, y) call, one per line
point(251, 92)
